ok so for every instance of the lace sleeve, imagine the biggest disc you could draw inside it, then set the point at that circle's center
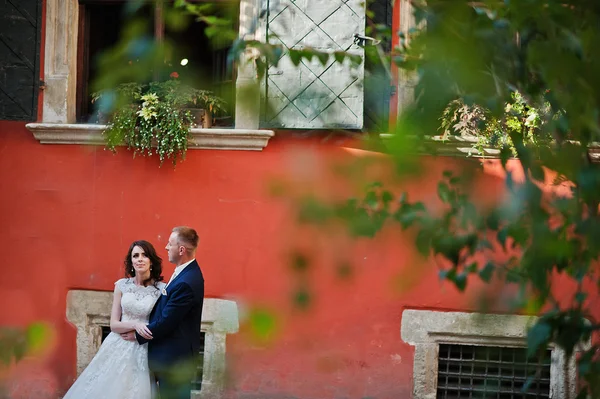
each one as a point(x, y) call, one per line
point(121, 284)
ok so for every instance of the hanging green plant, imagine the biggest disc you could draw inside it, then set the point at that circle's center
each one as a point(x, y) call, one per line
point(156, 118)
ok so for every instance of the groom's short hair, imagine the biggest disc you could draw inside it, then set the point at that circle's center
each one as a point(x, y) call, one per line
point(187, 237)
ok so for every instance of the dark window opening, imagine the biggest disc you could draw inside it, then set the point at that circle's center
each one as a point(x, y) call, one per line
point(197, 382)
point(378, 83)
point(105, 332)
point(20, 36)
point(466, 371)
point(208, 66)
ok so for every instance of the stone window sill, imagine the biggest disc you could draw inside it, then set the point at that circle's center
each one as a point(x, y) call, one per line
point(214, 139)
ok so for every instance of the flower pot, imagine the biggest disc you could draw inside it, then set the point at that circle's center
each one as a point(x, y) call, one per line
point(201, 117)
point(197, 116)
point(207, 120)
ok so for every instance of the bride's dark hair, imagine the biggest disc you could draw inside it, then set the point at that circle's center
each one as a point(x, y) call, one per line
point(155, 262)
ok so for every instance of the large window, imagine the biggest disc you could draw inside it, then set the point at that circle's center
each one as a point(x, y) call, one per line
point(205, 61)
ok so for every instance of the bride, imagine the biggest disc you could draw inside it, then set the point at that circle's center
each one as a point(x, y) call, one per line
point(120, 368)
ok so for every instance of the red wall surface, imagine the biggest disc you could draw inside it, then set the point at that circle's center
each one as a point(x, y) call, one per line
point(68, 214)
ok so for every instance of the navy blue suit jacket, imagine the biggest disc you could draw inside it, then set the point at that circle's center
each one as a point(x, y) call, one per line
point(175, 321)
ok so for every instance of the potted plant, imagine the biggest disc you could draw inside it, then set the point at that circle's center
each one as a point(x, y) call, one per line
point(202, 104)
point(157, 117)
point(488, 130)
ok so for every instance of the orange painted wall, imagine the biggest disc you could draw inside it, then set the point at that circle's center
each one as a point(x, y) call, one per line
point(68, 214)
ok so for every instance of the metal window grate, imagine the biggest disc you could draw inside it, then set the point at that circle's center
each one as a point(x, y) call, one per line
point(197, 382)
point(466, 371)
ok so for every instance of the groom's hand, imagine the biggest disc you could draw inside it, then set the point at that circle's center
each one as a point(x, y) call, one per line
point(128, 336)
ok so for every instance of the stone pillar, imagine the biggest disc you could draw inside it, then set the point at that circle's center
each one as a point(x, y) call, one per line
point(60, 61)
point(406, 80)
point(248, 101)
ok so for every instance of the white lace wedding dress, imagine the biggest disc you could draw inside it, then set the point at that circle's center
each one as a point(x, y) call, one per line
point(120, 368)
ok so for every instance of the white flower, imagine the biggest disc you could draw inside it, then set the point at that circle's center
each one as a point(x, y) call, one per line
point(150, 98)
point(147, 112)
point(530, 121)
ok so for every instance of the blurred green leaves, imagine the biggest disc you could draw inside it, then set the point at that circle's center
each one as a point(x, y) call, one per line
point(15, 342)
point(263, 324)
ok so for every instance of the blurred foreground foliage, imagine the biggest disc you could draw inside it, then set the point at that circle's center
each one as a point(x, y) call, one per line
point(535, 55)
point(17, 342)
point(479, 54)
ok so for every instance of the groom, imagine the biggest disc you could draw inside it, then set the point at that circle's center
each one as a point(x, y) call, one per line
point(173, 332)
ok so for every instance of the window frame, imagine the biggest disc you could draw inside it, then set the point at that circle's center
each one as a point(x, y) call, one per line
point(83, 54)
point(427, 329)
point(58, 118)
point(89, 311)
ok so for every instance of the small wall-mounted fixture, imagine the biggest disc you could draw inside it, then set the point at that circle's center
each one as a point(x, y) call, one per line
point(362, 41)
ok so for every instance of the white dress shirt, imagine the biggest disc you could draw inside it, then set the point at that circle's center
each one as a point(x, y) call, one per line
point(178, 270)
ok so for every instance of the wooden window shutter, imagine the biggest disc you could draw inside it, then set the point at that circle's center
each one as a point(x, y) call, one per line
point(312, 95)
point(20, 31)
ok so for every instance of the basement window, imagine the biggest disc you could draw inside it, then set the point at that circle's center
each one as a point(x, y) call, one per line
point(469, 371)
point(474, 355)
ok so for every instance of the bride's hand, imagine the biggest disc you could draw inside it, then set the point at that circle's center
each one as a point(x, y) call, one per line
point(142, 329)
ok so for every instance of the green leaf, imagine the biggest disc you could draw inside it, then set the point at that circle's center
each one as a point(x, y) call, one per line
point(519, 234)
point(339, 56)
point(356, 59)
point(387, 197)
point(502, 235)
point(580, 297)
point(300, 262)
point(538, 337)
point(447, 274)
point(444, 192)
point(472, 268)
point(262, 323)
point(19, 350)
point(345, 270)
point(461, 281)
point(313, 211)
point(371, 199)
point(302, 298)
point(323, 58)
point(513, 275)
point(537, 172)
point(37, 334)
point(295, 56)
point(487, 272)
point(493, 221)
point(423, 242)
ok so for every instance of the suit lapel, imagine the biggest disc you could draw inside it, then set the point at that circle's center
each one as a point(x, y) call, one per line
point(184, 271)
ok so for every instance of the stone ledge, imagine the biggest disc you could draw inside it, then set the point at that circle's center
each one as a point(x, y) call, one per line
point(425, 326)
point(214, 139)
point(457, 146)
